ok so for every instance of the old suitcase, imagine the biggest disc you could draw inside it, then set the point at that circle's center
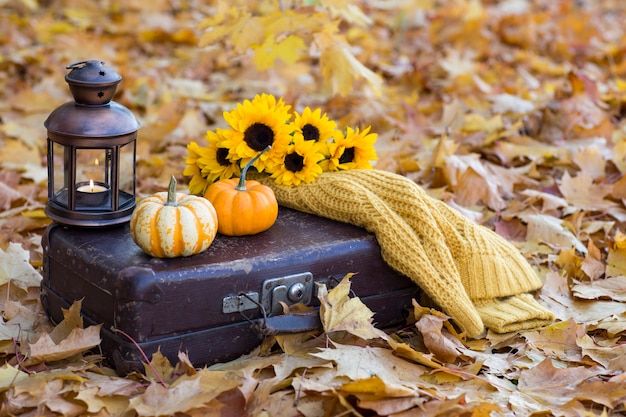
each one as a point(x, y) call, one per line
point(212, 305)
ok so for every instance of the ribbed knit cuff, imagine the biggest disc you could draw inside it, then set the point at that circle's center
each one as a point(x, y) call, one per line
point(520, 312)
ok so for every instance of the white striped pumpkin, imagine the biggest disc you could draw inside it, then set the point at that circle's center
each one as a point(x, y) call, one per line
point(170, 224)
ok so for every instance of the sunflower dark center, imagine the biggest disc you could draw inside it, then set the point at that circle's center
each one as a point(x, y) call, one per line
point(347, 156)
point(258, 136)
point(221, 156)
point(294, 162)
point(310, 132)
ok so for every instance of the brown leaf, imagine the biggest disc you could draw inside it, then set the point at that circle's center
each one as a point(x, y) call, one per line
point(472, 183)
point(442, 345)
point(553, 386)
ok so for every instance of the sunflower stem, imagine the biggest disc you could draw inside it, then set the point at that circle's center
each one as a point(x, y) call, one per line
point(171, 193)
point(242, 179)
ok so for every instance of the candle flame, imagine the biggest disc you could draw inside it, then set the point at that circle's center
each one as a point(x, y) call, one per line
point(96, 162)
point(91, 187)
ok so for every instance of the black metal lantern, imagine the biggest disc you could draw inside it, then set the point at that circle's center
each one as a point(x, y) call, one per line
point(91, 151)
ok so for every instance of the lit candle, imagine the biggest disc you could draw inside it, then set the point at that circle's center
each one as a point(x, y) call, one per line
point(92, 194)
point(92, 188)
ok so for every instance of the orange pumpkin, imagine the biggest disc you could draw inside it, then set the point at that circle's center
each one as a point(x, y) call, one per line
point(243, 207)
point(169, 225)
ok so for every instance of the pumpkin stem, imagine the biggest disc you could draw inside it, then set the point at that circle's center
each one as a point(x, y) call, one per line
point(242, 179)
point(171, 193)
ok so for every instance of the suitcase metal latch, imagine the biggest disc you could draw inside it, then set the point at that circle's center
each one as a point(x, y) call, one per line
point(290, 290)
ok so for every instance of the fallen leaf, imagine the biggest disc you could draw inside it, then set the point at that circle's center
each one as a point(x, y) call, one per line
point(442, 345)
point(505, 103)
point(288, 50)
point(185, 394)
point(610, 288)
point(582, 193)
point(11, 376)
point(47, 350)
point(340, 312)
point(15, 268)
point(611, 356)
point(376, 368)
point(551, 230)
point(553, 386)
point(471, 182)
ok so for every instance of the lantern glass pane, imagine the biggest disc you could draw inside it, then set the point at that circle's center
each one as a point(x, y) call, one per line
point(92, 164)
point(127, 174)
point(93, 179)
point(60, 177)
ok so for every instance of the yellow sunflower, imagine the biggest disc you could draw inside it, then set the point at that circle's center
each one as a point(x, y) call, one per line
point(255, 125)
point(300, 163)
point(198, 182)
point(215, 162)
point(312, 125)
point(354, 150)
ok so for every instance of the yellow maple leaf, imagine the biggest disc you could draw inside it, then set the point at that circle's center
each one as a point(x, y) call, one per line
point(339, 66)
point(11, 376)
point(290, 21)
point(339, 312)
point(288, 50)
point(348, 11)
point(475, 122)
point(233, 23)
point(619, 240)
point(616, 260)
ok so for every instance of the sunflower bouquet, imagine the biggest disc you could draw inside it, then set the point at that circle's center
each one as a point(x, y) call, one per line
point(302, 145)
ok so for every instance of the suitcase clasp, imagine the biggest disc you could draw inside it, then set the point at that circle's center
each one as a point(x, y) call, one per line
point(291, 289)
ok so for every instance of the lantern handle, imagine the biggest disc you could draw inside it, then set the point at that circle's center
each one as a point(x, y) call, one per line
point(80, 64)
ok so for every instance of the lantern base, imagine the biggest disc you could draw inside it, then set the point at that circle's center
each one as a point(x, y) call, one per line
point(67, 217)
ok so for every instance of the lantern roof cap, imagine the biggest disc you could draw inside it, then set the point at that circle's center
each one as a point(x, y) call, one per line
point(73, 120)
point(92, 71)
point(93, 113)
point(92, 83)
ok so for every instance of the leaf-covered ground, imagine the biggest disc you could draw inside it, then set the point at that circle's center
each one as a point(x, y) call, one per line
point(511, 111)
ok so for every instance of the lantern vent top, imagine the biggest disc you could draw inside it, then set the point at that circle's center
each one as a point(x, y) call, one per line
point(92, 83)
point(92, 114)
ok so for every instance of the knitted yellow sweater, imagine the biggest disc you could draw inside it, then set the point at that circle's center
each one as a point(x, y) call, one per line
point(474, 275)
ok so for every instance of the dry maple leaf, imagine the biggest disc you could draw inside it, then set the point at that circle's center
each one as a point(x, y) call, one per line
point(581, 192)
point(472, 182)
point(552, 231)
point(553, 386)
point(287, 50)
point(340, 312)
point(443, 346)
point(67, 339)
point(15, 268)
point(373, 370)
point(616, 259)
point(610, 288)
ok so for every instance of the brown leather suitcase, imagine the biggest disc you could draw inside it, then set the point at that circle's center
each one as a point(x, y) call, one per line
point(218, 304)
